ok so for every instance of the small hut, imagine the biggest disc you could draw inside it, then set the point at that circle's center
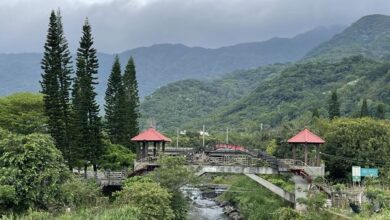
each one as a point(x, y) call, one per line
point(305, 138)
point(151, 135)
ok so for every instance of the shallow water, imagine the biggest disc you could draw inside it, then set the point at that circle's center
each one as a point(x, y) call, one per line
point(202, 208)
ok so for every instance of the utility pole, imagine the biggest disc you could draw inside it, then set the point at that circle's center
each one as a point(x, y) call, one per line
point(227, 135)
point(203, 134)
point(177, 138)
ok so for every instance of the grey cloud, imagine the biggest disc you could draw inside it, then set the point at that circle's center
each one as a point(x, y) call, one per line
point(123, 24)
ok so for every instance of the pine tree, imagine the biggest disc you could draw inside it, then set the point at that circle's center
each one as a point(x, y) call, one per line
point(87, 123)
point(56, 81)
point(364, 109)
point(334, 106)
point(115, 107)
point(132, 101)
point(380, 111)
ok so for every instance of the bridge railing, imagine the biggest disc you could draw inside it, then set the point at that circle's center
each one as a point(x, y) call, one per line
point(288, 163)
point(112, 178)
point(298, 164)
point(227, 160)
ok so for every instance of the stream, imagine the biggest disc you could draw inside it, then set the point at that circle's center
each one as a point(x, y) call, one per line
point(202, 207)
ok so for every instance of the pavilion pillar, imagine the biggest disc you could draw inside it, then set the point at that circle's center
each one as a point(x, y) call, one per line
point(294, 152)
point(143, 149)
point(318, 157)
point(163, 146)
point(137, 150)
point(147, 149)
point(305, 154)
point(155, 148)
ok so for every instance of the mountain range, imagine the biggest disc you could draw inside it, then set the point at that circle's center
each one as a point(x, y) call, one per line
point(274, 94)
point(164, 63)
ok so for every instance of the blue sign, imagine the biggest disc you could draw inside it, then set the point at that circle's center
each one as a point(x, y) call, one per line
point(373, 172)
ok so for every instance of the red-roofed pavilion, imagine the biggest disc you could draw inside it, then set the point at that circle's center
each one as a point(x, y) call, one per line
point(306, 137)
point(151, 135)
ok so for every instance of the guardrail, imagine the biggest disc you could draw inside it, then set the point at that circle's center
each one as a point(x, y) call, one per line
point(227, 160)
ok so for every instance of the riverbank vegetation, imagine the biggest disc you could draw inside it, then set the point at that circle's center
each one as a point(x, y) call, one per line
point(249, 197)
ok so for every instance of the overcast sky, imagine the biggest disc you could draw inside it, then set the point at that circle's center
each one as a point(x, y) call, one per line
point(119, 25)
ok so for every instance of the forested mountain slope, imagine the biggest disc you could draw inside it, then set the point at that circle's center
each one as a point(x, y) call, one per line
point(177, 103)
point(305, 87)
point(369, 36)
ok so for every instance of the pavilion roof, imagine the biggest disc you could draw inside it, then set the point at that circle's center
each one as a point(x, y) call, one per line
point(305, 137)
point(150, 134)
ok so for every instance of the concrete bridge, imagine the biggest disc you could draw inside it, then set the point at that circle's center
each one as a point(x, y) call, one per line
point(249, 163)
point(302, 177)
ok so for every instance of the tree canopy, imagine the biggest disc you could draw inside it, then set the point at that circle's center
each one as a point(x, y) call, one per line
point(23, 113)
point(355, 142)
point(32, 172)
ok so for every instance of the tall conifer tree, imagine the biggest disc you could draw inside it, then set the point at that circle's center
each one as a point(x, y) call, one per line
point(364, 109)
point(87, 123)
point(132, 100)
point(56, 82)
point(380, 111)
point(334, 106)
point(115, 107)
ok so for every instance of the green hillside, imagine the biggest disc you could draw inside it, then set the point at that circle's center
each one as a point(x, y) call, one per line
point(245, 100)
point(305, 87)
point(369, 36)
point(177, 103)
point(349, 62)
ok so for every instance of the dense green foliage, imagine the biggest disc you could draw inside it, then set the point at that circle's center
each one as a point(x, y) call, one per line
point(122, 212)
point(23, 113)
point(148, 197)
point(367, 36)
point(283, 181)
point(130, 87)
point(172, 175)
point(56, 81)
point(303, 87)
point(285, 96)
point(351, 142)
point(178, 103)
point(116, 157)
point(32, 173)
point(251, 199)
point(115, 107)
point(86, 124)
